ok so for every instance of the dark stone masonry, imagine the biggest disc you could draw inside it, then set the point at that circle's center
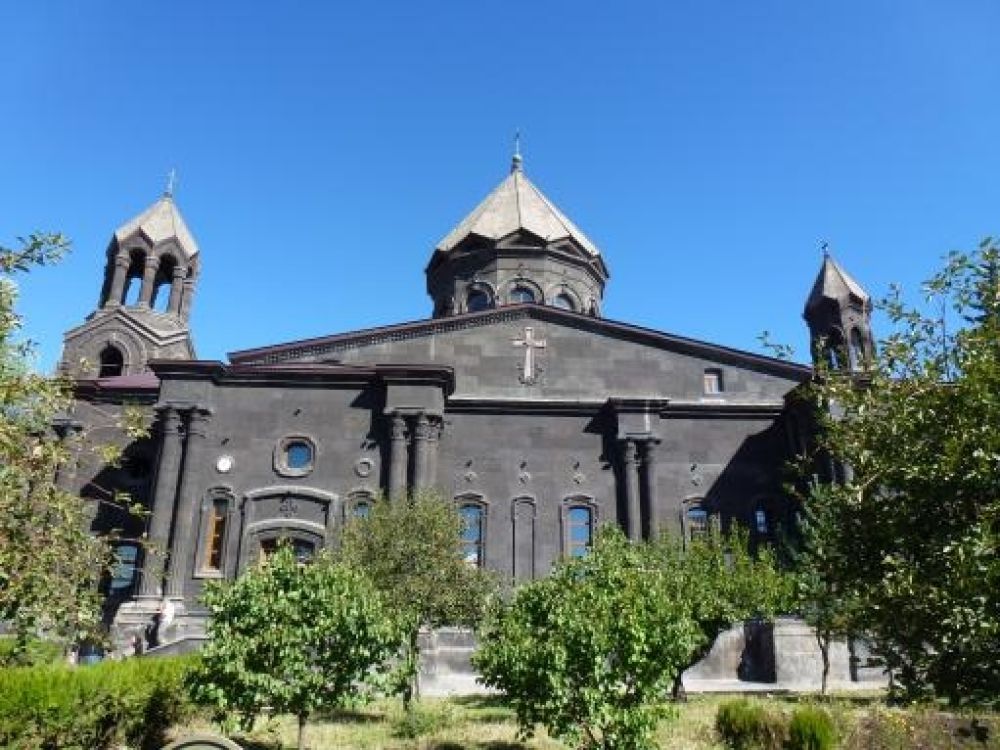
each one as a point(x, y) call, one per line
point(541, 418)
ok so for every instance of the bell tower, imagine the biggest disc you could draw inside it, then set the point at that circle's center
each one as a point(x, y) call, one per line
point(145, 302)
point(839, 315)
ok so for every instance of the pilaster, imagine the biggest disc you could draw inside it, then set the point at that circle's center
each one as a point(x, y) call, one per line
point(164, 497)
point(181, 549)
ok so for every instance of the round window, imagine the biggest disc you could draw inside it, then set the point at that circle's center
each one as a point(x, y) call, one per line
point(298, 454)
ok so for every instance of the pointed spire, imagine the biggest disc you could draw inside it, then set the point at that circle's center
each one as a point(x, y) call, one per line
point(517, 163)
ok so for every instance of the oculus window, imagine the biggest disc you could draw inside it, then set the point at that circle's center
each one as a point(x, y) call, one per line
point(295, 456)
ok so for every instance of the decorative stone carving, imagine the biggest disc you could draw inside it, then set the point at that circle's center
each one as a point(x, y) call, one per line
point(530, 369)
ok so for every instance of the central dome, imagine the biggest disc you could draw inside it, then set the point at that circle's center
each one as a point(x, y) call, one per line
point(515, 247)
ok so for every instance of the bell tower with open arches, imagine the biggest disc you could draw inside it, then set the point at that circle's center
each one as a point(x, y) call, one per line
point(144, 306)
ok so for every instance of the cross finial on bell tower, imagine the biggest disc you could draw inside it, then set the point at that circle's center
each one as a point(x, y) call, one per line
point(517, 162)
point(168, 191)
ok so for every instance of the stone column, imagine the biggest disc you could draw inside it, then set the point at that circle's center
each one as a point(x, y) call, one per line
point(67, 429)
point(120, 274)
point(176, 287)
point(649, 486)
point(148, 280)
point(433, 445)
point(630, 471)
point(163, 498)
point(187, 298)
point(421, 438)
point(184, 526)
point(398, 457)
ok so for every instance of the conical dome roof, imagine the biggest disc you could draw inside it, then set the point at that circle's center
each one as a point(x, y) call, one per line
point(161, 221)
point(516, 204)
point(834, 283)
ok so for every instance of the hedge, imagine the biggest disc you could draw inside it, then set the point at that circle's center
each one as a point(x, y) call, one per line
point(107, 705)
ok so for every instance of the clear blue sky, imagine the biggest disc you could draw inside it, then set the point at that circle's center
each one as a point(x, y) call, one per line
point(323, 148)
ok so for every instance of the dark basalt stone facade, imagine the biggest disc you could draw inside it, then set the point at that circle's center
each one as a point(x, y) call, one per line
point(539, 418)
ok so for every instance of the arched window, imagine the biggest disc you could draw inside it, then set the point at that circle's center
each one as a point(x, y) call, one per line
point(476, 300)
point(857, 350)
point(215, 534)
point(579, 530)
point(112, 362)
point(761, 523)
point(521, 294)
point(303, 549)
point(124, 568)
point(472, 515)
point(359, 505)
point(164, 280)
point(564, 301)
point(696, 521)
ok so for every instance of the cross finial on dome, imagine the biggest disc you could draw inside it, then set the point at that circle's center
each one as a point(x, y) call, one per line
point(517, 163)
point(824, 247)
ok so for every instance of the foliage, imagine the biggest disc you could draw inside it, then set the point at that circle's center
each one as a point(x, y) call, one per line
point(722, 581)
point(591, 651)
point(49, 564)
point(825, 563)
point(422, 721)
point(412, 551)
point(916, 520)
point(293, 638)
point(811, 728)
point(749, 725)
point(91, 708)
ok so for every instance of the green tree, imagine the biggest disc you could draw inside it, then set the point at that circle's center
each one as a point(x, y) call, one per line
point(723, 582)
point(49, 564)
point(591, 652)
point(412, 551)
point(293, 638)
point(918, 510)
point(825, 566)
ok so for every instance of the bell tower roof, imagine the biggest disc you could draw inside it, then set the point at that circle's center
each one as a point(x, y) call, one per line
point(835, 284)
point(516, 204)
point(161, 221)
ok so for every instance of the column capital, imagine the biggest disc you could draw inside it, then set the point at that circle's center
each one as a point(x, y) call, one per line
point(198, 419)
point(629, 450)
point(398, 422)
point(179, 272)
point(123, 259)
point(422, 428)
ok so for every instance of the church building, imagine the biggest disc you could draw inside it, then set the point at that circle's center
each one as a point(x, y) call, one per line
point(516, 399)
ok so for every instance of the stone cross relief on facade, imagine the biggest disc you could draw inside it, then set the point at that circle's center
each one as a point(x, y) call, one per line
point(530, 370)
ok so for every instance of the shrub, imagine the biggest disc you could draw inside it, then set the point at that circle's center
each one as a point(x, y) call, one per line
point(421, 721)
point(745, 725)
point(811, 728)
point(91, 708)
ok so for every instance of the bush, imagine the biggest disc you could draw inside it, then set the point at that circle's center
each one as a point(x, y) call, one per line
point(421, 721)
point(745, 725)
point(91, 708)
point(811, 728)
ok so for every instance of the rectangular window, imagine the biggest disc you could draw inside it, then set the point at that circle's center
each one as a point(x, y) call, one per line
point(580, 531)
point(215, 537)
point(713, 381)
point(697, 522)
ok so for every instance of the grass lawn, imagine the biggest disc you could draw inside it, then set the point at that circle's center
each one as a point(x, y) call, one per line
point(455, 724)
point(487, 724)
